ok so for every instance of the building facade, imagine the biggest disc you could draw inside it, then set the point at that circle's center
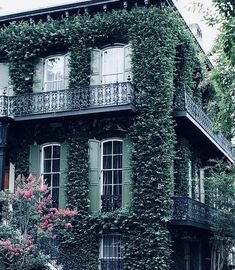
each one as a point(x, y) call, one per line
point(104, 99)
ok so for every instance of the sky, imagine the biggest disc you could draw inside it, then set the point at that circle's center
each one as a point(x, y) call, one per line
point(209, 34)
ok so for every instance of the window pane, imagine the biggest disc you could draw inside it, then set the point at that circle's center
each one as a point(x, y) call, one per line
point(47, 152)
point(55, 68)
point(56, 180)
point(107, 162)
point(117, 177)
point(107, 190)
point(107, 148)
point(117, 162)
point(56, 151)
point(107, 177)
point(112, 246)
point(55, 197)
point(47, 179)
point(47, 165)
point(117, 147)
point(117, 190)
point(56, 165)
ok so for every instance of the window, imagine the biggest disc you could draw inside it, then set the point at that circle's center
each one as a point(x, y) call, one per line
point(196, 182)
point(50, 170)
point(111, 65)
point(111, 175)
point(51, 73)
point(54, 73)
point(111, 252)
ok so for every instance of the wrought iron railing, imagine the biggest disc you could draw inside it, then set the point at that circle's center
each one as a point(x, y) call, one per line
point(67, 100)
point(111, 264)
point(183, 102)
point(188, 209)
point(110, 203)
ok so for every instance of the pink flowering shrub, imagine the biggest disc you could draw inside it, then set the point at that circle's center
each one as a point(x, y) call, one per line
point(29, 218)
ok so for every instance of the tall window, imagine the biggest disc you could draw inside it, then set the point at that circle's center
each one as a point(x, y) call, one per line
point(111, 65)
point(111, 252)
point(54, 73)
point(50, 170)
point(111, 174)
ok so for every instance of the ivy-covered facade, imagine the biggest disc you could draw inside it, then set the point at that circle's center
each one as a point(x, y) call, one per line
point(103, 101)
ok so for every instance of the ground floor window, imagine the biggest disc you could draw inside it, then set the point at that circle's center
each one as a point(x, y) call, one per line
point(111, 252)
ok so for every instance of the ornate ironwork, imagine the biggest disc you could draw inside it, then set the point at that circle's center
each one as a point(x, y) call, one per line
point(188, 209)
point(183, 102)
point(67, 100)
point(110, 203)
point(111, 264)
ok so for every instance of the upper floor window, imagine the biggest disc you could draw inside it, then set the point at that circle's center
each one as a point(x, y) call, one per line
point(111, 175)
point(111, 65)
point(50, 170)
point(51, 73)
point(111, 252)
point(54, 73)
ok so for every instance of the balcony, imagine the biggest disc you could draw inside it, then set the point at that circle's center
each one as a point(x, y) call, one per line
point(110, 203)
point(185, 106)
point(82, 100)
point(189, 212)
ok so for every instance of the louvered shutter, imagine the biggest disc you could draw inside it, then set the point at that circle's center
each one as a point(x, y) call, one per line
point(95, 67)
point(94, 175)
point(38, 75)
point(127, 150)
point(4, 77)
point(34, 160)
point(66, 70)
point(127, 63)
point(63, 168)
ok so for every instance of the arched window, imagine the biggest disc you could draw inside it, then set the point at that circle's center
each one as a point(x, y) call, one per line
point(111, 64)
point(51, 73)
point(111, 174)
point(50, 169)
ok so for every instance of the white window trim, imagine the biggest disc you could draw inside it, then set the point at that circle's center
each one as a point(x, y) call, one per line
point(101, 167)
point(42, 147)
point(45, 70)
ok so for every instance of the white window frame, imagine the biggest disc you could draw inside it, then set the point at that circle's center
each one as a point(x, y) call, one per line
point(42, 173)
point(122, 73)
point(101, 170)
point(46, 84)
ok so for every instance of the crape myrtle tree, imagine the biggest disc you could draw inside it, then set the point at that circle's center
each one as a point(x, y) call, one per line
point(29, 224)
point(221, 196)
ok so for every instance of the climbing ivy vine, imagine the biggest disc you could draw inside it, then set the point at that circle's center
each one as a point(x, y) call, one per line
point(163, 56)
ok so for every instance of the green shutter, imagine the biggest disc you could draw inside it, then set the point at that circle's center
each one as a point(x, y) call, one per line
point(4, 77)
point(34, 160)
point(95, 67)
point(63, 168)
point(38, 75)
point(66, 70)
point(127, 150)
point(127, 63)
point(94, 176)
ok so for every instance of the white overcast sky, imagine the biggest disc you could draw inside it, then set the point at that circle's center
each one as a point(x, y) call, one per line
point(209, 34)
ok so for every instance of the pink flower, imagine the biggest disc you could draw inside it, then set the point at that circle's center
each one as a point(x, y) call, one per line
point(28, 194)
point(44, 189)
point(68, 226)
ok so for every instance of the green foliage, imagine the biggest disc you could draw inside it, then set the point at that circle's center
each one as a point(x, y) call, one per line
point(181, 167)
point(221, 194)
point(155, 36)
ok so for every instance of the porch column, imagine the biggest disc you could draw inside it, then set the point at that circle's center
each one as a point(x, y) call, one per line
point(4, 124)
